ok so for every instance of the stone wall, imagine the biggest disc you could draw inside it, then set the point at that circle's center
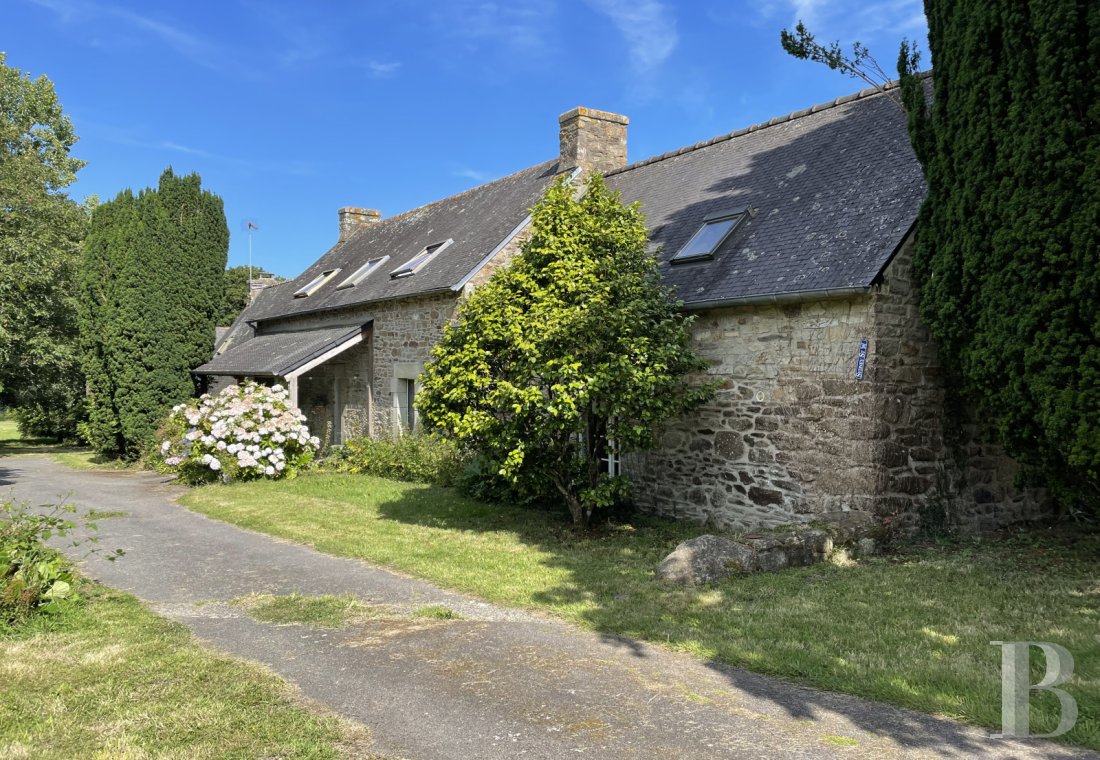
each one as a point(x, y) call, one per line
point(592, 140)
point(397, 345)
point(793, 434)
point(404, 333)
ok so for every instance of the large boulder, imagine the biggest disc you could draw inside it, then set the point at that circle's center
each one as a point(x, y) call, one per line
point(847, 527)
point(776, 551)
point(707, 559)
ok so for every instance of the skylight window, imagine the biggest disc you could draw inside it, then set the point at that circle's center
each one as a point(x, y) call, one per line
point(362, 272)
point(313, 285)
point(716, 228)
point(418, 261)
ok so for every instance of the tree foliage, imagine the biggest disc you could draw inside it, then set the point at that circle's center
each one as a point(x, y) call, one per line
point(236, 292)
point(40, 233)
point(574, 345)
point(1009, 235)
point(1009, 246)
point(151, 287)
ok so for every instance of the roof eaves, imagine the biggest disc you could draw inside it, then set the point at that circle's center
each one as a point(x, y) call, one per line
point(354, 305)
point(319, 351)
point(820, 294)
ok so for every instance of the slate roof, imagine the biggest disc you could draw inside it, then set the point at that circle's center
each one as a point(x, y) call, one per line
point(276, 354)
point(477, 220)
point(834, 188)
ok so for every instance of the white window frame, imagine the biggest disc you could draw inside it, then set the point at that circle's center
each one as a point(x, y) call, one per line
point(315, 284)
point(363, 272)
point(408, 268)
point(613, 459)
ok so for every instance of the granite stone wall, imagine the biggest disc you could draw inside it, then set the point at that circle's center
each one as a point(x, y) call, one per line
point(404, 333)
point(364, 379)
point(793, 434)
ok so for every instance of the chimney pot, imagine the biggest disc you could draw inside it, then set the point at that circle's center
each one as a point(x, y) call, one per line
point(352, 218)
point(592, 140)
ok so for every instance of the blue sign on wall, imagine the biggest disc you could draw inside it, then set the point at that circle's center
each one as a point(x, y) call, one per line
point(861, 361)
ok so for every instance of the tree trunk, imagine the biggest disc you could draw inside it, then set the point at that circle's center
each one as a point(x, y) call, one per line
point(579, 514)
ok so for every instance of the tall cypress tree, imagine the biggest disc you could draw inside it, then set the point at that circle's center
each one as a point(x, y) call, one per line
point(1008, 246)
point(152, 283)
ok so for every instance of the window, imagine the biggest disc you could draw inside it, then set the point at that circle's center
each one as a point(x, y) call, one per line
point(361, 273)
point(716, 228)
point(419, 260)
point(312, 286)
point(611, 461)
point(407, 403)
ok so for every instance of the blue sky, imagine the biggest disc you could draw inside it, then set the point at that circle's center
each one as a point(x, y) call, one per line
point(290, 110)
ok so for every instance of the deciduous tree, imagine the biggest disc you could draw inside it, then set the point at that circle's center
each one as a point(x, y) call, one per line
point(574, 348)
point(40, 233)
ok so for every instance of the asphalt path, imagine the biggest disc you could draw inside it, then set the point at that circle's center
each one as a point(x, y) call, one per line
point(496, 683)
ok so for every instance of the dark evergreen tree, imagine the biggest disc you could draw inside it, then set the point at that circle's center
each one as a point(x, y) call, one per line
point(1009, 237)
point(152, 285)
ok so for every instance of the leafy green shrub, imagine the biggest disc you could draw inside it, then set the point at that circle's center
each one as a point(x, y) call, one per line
point(418, 457)
point(34, 576)
point(246, 432)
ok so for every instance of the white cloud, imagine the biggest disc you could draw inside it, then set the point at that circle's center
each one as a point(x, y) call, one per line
point(381, 69)
point(647, 26)
point(474, 174)
point(191, 46)
point(852, 20)
point(169, 145)
point(518, 26)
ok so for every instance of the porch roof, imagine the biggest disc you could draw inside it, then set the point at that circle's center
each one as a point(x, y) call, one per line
point(284, 354)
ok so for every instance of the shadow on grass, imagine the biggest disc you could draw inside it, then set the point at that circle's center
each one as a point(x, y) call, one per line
point(912, 630)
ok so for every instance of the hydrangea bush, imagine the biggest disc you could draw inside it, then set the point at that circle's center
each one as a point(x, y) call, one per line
point(245, 432)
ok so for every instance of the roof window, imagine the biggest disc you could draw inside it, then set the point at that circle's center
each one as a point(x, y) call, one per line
point(716, 228)
point(313, 285)
point(361, 273)
point(417, 262)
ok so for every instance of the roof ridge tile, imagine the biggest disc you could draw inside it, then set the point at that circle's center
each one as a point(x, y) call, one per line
point(863, 94)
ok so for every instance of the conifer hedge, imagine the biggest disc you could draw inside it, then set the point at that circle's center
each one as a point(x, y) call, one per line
point(1008, 244)
point(152, 283)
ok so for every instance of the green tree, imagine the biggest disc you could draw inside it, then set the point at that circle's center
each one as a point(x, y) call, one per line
point(574, 347)
point(40, 233)
point(1008, 239)
point(152, 284)
point(236, 292)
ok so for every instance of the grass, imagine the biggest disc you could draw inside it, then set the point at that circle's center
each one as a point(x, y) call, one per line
point(104, 514)
point(326, 611)
point(436, 612)
point(111, 679)
point(82, 459)
point(913, 630)
point(12, 443)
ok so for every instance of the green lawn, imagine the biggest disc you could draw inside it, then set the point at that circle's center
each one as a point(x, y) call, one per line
point(13, 444)
point(911, 629)
point(112, 680)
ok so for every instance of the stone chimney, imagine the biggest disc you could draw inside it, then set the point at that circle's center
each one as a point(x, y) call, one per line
point(593, 140)
point(352, 218)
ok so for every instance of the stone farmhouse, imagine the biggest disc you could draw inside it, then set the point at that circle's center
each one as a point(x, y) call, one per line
point(789, 241)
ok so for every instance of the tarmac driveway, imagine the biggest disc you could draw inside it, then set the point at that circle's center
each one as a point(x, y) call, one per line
point(496, 683)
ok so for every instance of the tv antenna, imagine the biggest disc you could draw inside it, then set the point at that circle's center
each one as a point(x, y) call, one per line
point(250, 226)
